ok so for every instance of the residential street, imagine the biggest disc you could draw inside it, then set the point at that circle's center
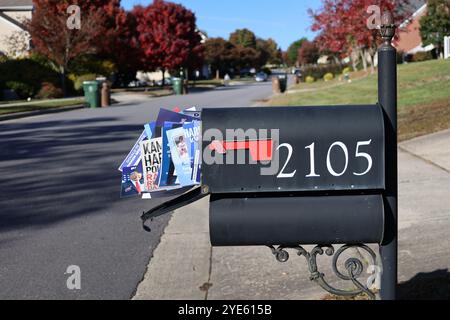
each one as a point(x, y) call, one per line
point(60, 202)
point(319, 168)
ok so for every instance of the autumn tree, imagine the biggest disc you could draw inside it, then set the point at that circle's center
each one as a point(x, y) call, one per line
point(168, 36)
point(435, 25)
point(269, 51)
point(343, 27)
point(308, 53)
point(244, 38)
point(328, 22)
point(253, 52)
point(52, 38)
point(244, 58)
point(291, 56)
point(123, 46)
point(219, 55)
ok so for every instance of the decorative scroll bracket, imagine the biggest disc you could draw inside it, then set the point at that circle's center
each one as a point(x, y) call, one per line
point(354, 267)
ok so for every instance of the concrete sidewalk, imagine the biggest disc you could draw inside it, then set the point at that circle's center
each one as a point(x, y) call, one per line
point(185, 266)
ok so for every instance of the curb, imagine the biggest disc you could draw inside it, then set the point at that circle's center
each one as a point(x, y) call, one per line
point(27, 114)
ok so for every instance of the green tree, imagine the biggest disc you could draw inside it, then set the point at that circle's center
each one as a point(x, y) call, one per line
point(244, 38)
point(218, 55)
point(435, 25)
point(292, 52)
point(269, 51)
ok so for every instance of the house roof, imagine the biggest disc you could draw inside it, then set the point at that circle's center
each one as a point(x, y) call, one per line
point(416, 4)
point(410, 40)
point(411, 7)
point(16, 4)
point(415, 10)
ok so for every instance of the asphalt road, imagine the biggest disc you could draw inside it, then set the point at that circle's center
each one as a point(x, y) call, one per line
point(59, 199)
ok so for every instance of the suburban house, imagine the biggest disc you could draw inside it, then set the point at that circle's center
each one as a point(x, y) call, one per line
point(410, 41)
point(12, 13)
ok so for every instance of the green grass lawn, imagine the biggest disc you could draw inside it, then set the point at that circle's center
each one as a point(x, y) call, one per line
point(40, 106)
point(423, 96)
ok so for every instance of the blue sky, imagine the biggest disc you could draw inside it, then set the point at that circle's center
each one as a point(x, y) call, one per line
point(283, 20)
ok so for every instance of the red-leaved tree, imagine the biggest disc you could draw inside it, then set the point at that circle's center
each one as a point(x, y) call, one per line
point(52, 38)
point(121, 44)
point(168, 36)
point(308, 53)
point(343, 28)
point(106, 30)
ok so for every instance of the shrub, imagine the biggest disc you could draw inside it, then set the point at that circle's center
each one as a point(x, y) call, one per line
point(267, 71)
point(310, 79)
point(78, 80)
point(30, 74)
point(422, 56)
point(400, 56)
point(346, 70)
point(22, 89)
point(49, 91)
point(328, 77)
point(318, 71)
point(90, 64)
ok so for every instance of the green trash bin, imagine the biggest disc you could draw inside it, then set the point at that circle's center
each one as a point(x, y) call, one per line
point(177, 85)
point(92, 93)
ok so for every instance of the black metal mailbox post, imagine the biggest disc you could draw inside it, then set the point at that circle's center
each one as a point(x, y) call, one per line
point(288, 177)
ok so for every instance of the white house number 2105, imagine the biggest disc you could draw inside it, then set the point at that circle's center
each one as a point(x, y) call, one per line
point(332, 170)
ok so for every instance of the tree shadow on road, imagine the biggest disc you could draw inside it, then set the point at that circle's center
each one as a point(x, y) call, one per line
point(426, 286)
point(57, 170)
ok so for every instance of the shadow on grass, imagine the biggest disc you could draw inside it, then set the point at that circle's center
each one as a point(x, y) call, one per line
point(426, 286)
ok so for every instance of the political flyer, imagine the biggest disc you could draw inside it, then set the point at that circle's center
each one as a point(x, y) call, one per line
point(168, 176)
point(192, 112)
point(193, 135)
point(150, 130)
point(132, 182)
point(179, 148)
point(134, 156)
point(151, 163)
point(170, 116)
point(166, 159)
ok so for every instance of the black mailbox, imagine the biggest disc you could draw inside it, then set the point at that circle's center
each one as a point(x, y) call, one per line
point(294, 175)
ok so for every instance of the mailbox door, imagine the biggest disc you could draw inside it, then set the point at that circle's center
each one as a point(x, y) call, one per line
point(323, 148)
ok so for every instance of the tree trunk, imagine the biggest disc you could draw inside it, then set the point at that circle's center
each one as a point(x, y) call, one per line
point(63, 80)
point(354, 62)
point(163, 77)
point(186, 81)
point(439, 51)
point(372, 63)
point(337, 60)
point(217, 74)
point(364, 60)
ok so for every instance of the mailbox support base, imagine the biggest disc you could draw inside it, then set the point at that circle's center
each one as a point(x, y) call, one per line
point(354, 266)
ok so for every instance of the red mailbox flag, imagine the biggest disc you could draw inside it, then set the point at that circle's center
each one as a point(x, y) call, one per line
point(260, 150)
